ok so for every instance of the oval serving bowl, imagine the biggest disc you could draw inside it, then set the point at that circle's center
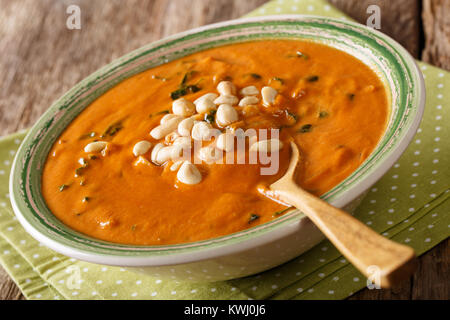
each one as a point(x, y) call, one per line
point(249, 251)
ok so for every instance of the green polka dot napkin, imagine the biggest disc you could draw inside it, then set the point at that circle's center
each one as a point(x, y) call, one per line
point(410, 204)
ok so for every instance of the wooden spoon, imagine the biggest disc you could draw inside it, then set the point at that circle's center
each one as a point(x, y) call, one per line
point(378, 258)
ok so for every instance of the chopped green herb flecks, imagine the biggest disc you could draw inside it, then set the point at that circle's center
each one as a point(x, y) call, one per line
point(210, 117)
point(79, 171)
point(86, 199)
point(184, 91)
point(302, 55)
point(112, 129)
point(186, 77)
point(88, 135)
point(281, 81)
point(255, 76)
point(293, 115)
point(305, 128)
point(159, 113)
point(278, 213)
point(63, 187)
point(323, 114)
point(133, 227)
point(92, 157)
point(351, 96)
point(312, 78)
point(253, 217)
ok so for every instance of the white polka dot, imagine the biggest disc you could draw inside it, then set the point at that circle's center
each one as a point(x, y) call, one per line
point(274, 286)
point(389, 222)
point(298, 273)
point(213, 289)
point(395, 176)
point(158, 281)
point(385, 233)
point(155, 293)
point(411, 229)
point(193, 291)
point(327, 7)
point(324, 248)
point(336, 278)
point(119, 281)
point(407, 240)
point(355, 279)
point(427, 240)
point(391, 210)
point(300, 290)
point(437, 129)
point(394, 188)
point(435, 160)
point(134, 294)
point(310, 8)
point(2, 172)
point(35, 256)
point(412, 196)
point(440, 75)
point(342, 261)
point(373, 201)
point(321, 275)
point(439, 107)
point(17, 266)
point(417, 152)
point(173, 292)
point(75, 293)
point(374, 189)
point(415, 164)
point(369, 223)
point(330, 292)
point(99, 281)
point(38, 296)
point(114, 294)
point(413, 185)
point(104, 269)
point(10, 228)
point(393, 199)
point(277, 9)
point(433, 182)
point(310, 290)
point(430, 226)
point(438, 117)
point(396, 165)
point(6, 252)
point(321, 260)
point(371, 212)
point(439, 96)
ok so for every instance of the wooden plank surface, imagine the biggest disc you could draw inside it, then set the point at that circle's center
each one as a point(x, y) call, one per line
point(41, 59)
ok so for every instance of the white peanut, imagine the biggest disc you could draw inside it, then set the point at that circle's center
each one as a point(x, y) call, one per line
point(189, 174)
point(95, 146)
point(271, 145)
point(268, 95)
point(205, 105)
point(226, 88)
point(247, 101)
point(226, 99)
point(225, 142)
point(201, 131)
point(169, 116)
point(185, 142)
point(165, 128)
point(226, 115)
point(168, 153)
point(249, 91)
point(176, 165)
point(208, 96)
point(183, 107)
point(210, 154)
point(155, 151)
point(185, 126)
point(141, 148)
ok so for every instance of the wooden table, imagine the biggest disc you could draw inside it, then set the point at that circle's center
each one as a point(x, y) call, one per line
point(40, 59)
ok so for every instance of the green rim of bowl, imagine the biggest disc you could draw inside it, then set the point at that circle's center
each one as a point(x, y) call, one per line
point(394, 66)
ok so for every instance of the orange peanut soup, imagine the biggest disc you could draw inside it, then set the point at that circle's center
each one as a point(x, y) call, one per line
point(98, 181)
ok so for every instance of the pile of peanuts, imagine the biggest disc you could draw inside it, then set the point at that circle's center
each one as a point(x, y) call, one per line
point(177, 130)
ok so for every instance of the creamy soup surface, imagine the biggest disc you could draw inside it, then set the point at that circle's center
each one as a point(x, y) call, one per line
point(110, 174)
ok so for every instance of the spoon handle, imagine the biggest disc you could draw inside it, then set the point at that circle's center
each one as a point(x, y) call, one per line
point(378, 258)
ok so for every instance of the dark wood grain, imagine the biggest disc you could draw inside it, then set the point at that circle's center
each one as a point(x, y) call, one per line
point(436, 22)
point(400, 19)
point(41, 59)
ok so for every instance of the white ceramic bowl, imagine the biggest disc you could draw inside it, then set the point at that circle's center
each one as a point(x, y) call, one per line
point(249, 251)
